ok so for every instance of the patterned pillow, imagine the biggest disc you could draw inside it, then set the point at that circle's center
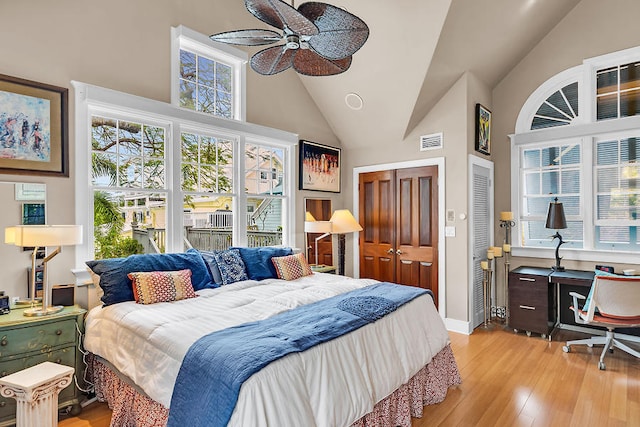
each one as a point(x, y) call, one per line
point(291, 267)
point(161, 286)
point(231, 266)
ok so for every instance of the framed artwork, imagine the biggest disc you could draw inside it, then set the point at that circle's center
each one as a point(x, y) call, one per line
point(319, 167)
point(34, 134)
point(483, 129)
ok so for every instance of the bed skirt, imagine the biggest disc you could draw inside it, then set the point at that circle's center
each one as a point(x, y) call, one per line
point(132, 408)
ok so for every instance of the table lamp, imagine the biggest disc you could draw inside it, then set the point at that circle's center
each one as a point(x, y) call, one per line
point(42, 236)
point(318, 227)
point(343, 222)
point(556, 221)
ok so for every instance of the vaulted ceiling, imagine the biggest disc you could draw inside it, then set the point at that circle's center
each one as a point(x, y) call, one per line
point(417, 49)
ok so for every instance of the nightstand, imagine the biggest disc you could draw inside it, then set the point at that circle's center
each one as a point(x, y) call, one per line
point(531, 301)
point(323, 269)
point(28, 341)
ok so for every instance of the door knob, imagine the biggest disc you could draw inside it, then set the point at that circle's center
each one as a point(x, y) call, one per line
point(398, 252)
point(390, 251)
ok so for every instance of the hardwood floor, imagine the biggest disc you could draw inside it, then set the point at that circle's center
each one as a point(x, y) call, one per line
point(515, 380)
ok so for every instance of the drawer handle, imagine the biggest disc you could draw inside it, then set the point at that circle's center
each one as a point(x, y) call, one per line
point(4, 342)
point(526, 279)
point(426, 264)
point(527, 307)
point(404, 261)
point(3, 404)
point(58, 331)
point(58, 361)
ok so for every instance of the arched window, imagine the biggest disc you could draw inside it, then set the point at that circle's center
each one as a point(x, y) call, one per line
point(578, 139)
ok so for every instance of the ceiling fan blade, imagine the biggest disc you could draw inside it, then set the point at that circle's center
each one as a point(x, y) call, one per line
point(309, 63)
point(272, 60)
point(341, 33)
point(247, 37)
point(280, 15)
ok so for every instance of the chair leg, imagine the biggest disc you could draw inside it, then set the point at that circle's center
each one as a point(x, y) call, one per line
point(625, 348)
point(596, 340)
point(607, 345)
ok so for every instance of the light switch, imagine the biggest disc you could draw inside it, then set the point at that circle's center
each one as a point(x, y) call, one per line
point(450, 231)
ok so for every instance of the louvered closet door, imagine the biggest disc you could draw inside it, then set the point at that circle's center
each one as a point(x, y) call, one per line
point(417, 227)
point(481, 229)
point(377, 217)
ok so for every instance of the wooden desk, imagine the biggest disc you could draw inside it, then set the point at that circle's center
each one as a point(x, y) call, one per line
point(539, 300)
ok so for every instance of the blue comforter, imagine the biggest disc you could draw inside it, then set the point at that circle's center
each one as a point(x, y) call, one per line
point(216, 366)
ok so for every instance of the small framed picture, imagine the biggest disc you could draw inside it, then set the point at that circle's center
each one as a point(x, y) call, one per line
point(319, 167)
point(483, 129)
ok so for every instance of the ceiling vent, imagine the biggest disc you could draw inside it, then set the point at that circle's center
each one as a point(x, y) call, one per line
point(431, 142)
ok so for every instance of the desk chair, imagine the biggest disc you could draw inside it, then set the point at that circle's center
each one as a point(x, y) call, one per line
point(615, 303)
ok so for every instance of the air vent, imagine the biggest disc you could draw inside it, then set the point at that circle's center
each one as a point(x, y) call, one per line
point(431, 142)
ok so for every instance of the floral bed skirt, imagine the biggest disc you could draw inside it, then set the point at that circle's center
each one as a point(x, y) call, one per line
point(429, 386)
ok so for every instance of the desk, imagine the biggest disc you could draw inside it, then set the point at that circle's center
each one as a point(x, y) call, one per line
point(539, 300)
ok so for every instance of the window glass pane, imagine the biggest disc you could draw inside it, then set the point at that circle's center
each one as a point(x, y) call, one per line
point(104, 134)
point(208, 221)
point(207, 164)
point(607, 179)
point(630, 103)
point(154, 142)
point(613, 235)
point(127, 223)
point(206, 71)
point(224, 104)
point(550, 183)
point(570, 155)
point(532, 183)
point(224, 77)
point(629, 149)
point(187, 95)
point(630, 76)
point(607, 80)
point(206, 100)
point(264, 221)
point(607, 107)
point(607, 153)
point(264, 170)
point(187, 65)
point(571, 93)
point(532, 158)
point(550, 156)
point(570, 181)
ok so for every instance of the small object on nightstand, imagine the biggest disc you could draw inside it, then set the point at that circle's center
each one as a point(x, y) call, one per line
point(323, 269)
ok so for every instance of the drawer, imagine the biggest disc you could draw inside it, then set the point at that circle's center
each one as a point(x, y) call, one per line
point(42, 337)
point(65, 356)
point(529, 303)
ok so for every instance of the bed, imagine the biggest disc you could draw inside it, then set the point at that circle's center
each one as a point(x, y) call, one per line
point(382, 373)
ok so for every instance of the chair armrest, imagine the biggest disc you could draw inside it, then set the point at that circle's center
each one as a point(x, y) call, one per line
point(575, 296)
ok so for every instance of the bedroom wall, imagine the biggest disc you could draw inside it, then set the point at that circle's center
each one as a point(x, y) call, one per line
point(591, 29)
point(454, 116)
point(124, 45)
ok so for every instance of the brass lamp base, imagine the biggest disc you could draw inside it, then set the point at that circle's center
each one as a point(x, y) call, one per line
point(27, 302)
point(41, 311)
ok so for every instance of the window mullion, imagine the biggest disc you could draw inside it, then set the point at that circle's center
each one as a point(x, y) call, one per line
point(587, 192)
point(240, 208)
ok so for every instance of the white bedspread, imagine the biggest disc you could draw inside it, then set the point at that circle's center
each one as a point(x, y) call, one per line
point(332, 384)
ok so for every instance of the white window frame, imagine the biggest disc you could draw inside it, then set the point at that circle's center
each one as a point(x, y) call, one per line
point(185, 38)
point(91, 100)
point(584, 128)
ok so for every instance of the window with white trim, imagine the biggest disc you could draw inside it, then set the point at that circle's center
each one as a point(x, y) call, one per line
point(161, 178)
point(578, 139)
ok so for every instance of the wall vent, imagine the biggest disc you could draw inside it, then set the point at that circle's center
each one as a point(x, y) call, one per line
point(431, 142)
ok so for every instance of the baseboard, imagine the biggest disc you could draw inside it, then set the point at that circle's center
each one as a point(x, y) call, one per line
point(459, 326)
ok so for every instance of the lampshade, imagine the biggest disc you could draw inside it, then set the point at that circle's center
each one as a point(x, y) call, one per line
point(344, 222)
point(317, 227)
point(43, 235)
point(555, 217)
point(308, 216)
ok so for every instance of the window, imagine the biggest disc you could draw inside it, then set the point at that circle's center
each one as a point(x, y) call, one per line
point(582, 146)
point(161, 178)
point(206, 76)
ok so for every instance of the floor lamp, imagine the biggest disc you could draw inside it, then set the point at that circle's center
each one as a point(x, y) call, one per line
point(318, 227)
point(343, 222)
point(42, 236)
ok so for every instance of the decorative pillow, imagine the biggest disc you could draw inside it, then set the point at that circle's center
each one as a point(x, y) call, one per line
point(117, 286)
point(291, 267)
point(232, 268)
point(258, 260)
point(161, 286)
point(212, 266)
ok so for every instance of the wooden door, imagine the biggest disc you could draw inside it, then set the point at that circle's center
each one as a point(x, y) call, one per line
point(417, 227)
point(399, 214)
point(377, 217)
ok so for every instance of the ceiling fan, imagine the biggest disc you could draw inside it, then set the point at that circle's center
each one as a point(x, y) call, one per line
point(319, 39)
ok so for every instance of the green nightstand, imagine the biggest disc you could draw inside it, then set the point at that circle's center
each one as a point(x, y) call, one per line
point(28, 341)
point(323, 269)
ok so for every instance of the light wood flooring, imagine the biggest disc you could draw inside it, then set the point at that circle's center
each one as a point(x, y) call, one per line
point(513, 380)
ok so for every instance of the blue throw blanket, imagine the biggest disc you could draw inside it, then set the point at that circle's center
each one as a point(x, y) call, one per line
point(216, 366)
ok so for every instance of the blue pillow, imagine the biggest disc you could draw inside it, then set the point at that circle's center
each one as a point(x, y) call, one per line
point(258, 261)
point(600, 273)
point(117, 286)
point(232, 268)
point(212, 266)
